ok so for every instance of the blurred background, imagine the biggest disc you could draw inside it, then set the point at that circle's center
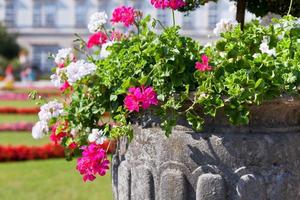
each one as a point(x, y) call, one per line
point(43, 26)
point(29, 31)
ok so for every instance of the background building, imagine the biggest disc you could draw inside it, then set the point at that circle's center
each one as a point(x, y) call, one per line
point(45, 26)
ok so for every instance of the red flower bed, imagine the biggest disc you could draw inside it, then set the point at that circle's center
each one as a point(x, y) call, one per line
point(9, 110)
point(20, 153)
point(19, 126)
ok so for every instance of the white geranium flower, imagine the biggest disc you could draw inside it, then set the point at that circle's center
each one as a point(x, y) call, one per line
point(62, 55)
point(104, 52)
point(77, 70)
point(51, 110)
point(39, 130)
point(56, 80)
point(224, 25)
point(256, 55)
point(264, 47)
point(208, 45)
point(73, 132)
point(97, 20)
point(97, 136)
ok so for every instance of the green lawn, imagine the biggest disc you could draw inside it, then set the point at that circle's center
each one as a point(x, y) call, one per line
point(44, 91)
point(19, 103)
point(23, 103)
point(21, 138)
point(54, 179)
point(50, 180)
point(12, 118)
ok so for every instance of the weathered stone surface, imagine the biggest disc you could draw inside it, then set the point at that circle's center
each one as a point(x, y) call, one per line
point(172, 185)
point(124, 181)
point(251, 187)
point(142, 184)
point(260, 161)
point(210, 187)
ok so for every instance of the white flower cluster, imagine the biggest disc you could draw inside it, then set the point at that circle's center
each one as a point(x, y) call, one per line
point(51, 110)
point(39, 130)
point(97, 20)
point(77, 70)
point(56, 78)
point(264, 47)
point(97, 136)
point(48, 111)
point(104, 52)
point(224, 25)
point(63, 55)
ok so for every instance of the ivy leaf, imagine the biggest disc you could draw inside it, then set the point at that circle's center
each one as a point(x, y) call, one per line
point(195, 121)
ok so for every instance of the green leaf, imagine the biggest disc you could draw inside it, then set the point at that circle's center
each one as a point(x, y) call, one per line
point(195, 121)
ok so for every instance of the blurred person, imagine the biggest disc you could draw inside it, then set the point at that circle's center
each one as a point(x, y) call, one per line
point(8, 82)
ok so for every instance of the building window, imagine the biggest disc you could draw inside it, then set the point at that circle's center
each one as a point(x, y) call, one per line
point(162, 17)
point(10, 13)
point(37, 13)
point(80, 14)
point(212, 15)
point(187, 22)
point(44, 13)
point(50, 14)
point(41, 56)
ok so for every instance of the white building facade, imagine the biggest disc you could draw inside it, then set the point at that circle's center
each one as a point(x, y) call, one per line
point(45, 26)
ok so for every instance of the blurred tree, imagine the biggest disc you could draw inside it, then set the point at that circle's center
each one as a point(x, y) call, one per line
point(9, 47)
point(258, 7)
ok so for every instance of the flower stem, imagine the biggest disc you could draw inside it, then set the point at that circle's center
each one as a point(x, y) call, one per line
point(290, 8)
point(160, 24)
point(137, 26)
point(107, 148)
point(173, 15)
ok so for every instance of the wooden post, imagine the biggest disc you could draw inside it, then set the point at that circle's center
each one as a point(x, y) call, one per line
point(240, 12)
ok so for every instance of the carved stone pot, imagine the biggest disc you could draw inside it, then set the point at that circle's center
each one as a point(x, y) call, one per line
point(260, 161)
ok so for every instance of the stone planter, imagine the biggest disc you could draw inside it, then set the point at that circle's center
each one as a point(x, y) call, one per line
point(260, 161)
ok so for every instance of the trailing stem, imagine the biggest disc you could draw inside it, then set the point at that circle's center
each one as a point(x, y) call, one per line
point(290, 8)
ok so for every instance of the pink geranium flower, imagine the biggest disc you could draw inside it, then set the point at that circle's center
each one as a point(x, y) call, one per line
point(96, 39)
point(65, 86)
point(204, 66)
point(93, 161)
point(173, 4)
point(55, 136)
point(160, 4)
point(123, 14)
point(140, 97)
point(73, 145)
point(149, 98)
point(176, 4)
point(116, 36)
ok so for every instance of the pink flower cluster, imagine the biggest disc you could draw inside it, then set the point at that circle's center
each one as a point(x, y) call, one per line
point(116, 35)
point(96, 39)
point(140, 97)
point(204, 66)
point(57, 134)
point(123, 14)
point(93, 161)
point(173, 4)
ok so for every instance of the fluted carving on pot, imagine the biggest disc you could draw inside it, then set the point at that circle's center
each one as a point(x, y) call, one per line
point(230, 164)
point(142, 185)
point(210, 187)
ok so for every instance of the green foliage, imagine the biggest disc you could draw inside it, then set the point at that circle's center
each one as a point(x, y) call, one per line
point(242, 75)
point(194, 4)
point(258, 7)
